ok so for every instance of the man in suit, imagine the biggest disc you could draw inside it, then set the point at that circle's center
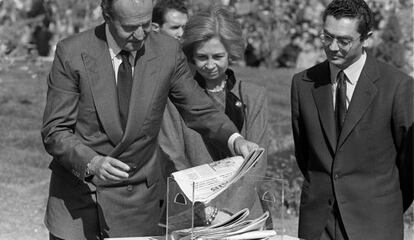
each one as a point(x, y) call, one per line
point(170, 17)
point(107, 91)
point(351, 117)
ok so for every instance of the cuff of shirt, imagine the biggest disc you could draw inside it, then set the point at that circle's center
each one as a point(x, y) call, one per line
point(88, 173)
point(230, 143)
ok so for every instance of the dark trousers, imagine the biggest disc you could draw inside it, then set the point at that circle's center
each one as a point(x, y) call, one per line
point(334, 229)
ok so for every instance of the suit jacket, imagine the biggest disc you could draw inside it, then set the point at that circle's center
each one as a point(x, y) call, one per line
point(369, 169)
point(81, 120)
point(186, 148)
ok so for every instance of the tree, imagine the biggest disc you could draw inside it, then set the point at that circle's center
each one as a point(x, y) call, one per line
point(391, 49)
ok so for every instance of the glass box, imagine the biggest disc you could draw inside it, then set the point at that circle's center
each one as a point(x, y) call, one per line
point(255, 202)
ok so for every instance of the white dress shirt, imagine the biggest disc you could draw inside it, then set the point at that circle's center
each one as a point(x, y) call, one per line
point(114, 51)
point(352, 73)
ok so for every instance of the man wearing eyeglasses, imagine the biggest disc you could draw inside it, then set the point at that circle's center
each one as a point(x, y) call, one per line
point(352, 119)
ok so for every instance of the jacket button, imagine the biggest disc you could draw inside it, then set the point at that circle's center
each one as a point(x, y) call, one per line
point(129, 188)
point(336, 176)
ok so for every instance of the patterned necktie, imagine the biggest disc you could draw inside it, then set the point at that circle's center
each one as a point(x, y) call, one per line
point(124, 86)
point(340, 106)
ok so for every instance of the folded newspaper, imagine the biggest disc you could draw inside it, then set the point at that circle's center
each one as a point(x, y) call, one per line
point(204, 182)
point(234, 228)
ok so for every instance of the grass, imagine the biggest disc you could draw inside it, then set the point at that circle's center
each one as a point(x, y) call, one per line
point(277, 84)
point(24, 175)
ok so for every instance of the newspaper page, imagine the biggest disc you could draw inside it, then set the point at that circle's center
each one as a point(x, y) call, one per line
point(236, 228)
point(208, 180)
point(235, 219)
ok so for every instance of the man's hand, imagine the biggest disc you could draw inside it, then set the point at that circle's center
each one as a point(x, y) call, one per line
point(244, 147)
point(108, 169)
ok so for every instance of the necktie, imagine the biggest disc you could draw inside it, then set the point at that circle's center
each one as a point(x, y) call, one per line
point(340, 105)
point(124, 86)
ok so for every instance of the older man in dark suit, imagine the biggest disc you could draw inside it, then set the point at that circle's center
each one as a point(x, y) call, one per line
point(351, 118)
point(107, 91)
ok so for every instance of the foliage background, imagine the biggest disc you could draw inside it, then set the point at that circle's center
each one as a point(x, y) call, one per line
point(279, 33)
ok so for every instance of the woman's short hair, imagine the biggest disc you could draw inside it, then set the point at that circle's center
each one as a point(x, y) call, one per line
point(216, 21)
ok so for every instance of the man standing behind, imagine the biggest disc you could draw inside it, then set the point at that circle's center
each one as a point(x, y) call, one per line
point(107, 91)
point(170, 17)
point(351, 118)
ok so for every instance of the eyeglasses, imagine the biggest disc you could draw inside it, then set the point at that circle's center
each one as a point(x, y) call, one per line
point(343, 43)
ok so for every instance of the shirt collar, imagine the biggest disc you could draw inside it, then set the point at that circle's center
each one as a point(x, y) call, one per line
point(114, 49)
point(352, 72)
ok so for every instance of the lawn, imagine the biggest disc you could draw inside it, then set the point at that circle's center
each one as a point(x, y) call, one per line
point(24, 174)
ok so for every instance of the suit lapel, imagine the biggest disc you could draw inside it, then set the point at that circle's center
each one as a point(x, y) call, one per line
point(143, 89)
point(362, 97)
point(98, 66)
point(322, 95)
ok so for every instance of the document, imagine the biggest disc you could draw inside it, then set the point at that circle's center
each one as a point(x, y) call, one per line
point(204, 182)
point(134, 238)
point(232, 229)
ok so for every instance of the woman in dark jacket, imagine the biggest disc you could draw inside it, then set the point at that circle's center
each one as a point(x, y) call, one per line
point(212, 40)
